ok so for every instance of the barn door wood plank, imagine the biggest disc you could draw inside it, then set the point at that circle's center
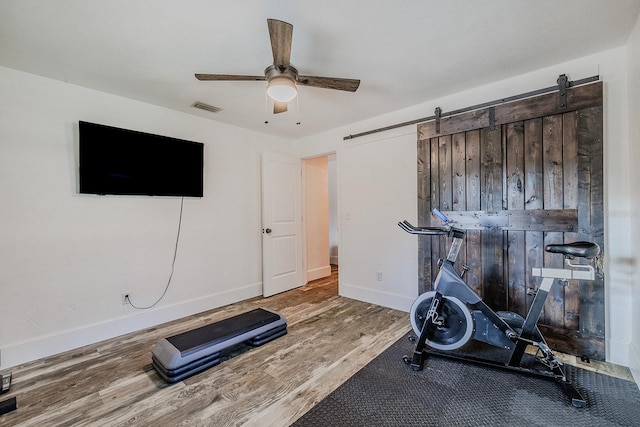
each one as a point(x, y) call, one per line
point(563, 220)
point(458, 182)
point(514, 184)
point(446, 173)
point(459, 172)
point(424, 207)
point(533, 191)
point(591, 220)
point(473, 198)
point(547, 105)
point(491, 201)
point(436, 241)
point(446, 194)
point(553, 199)
point(570, 183)
point(573, 342)
point(579, 97)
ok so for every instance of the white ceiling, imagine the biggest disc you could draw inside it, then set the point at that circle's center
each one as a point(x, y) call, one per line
point(404, 52)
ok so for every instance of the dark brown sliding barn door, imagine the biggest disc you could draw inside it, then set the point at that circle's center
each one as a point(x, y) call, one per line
point(519, 176)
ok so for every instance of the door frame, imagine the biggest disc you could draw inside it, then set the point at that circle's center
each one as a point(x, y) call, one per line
point(304, 210)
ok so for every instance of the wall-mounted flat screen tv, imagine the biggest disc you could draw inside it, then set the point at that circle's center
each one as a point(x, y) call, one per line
point(126, 162)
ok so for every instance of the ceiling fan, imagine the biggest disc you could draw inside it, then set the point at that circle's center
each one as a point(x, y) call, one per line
point(282, 77)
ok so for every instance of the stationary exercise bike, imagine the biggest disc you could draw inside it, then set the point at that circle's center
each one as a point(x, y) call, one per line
point(448, 317)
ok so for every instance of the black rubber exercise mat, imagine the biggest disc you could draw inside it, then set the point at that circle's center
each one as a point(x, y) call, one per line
point(386, 392)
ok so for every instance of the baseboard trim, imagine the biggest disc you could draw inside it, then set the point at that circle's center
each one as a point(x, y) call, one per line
point(634, 361)
point(373, 296)
point(318, 273)
point(618, 352)
point(132, 321)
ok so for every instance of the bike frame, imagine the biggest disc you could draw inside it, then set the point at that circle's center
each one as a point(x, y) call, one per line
point(487, 323)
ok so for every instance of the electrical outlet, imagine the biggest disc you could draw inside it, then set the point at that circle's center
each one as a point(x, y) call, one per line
point(379, 276)
point(125, 298)
point(6, 382)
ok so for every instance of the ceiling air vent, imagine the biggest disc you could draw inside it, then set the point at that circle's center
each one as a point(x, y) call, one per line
point(206, 107)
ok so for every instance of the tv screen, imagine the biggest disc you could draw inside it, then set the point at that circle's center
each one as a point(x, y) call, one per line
point(126, 162)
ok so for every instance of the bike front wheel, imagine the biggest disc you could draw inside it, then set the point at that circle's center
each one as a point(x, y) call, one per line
point(457, 322)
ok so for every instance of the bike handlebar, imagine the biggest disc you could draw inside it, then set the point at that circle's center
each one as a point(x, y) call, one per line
point(432, 231)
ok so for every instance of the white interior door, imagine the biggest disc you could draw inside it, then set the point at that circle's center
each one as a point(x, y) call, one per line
point(282, 266)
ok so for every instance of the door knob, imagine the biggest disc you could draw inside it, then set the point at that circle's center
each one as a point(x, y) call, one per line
point(267, 230)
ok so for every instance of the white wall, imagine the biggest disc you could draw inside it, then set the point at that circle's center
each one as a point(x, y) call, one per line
point(66, 258)
point(377, 188)
point(633, 55)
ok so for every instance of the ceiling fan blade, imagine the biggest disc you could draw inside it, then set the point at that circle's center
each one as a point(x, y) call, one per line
point(281, 34)
point(349, 85)
point(228, 77)
point(279, 107)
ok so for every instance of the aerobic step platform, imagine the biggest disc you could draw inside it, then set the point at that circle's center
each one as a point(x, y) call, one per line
point(180, 356)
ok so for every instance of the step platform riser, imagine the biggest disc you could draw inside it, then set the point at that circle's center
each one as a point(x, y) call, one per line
point(180, 356)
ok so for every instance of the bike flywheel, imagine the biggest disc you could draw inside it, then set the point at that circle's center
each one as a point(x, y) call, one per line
point(457, 322)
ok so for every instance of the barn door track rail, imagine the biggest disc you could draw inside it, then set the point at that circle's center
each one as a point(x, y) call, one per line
point(563, 83)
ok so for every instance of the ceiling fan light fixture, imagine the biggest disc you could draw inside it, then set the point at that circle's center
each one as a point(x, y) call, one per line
point(282, 78)
point(281, 89)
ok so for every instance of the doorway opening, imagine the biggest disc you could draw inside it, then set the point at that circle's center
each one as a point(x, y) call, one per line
point(320, 208)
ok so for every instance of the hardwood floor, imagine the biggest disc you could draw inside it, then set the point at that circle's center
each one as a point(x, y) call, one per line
point(112, 383)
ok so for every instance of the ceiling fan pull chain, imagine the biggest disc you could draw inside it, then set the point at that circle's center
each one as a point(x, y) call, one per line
point(266, 107)
point(298, 108)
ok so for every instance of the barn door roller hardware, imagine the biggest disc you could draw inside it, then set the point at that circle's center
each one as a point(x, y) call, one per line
point(492, 119)
point(437, 114)
point(562, 84)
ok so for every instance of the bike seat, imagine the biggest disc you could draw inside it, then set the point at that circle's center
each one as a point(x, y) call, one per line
point(575, 249)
